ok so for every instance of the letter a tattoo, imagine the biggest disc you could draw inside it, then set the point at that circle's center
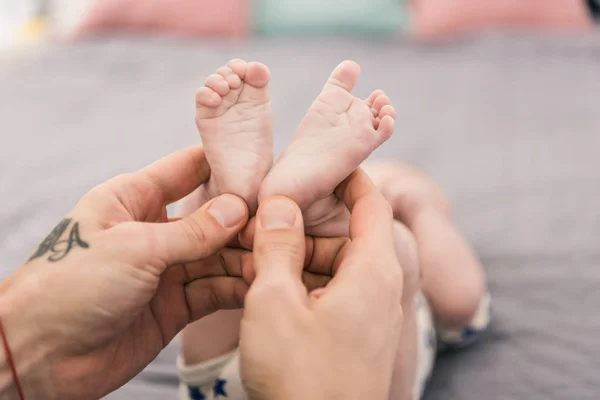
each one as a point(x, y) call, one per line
point(59, 249)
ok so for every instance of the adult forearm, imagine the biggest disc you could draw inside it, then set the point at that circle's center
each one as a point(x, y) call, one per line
point(28, 345)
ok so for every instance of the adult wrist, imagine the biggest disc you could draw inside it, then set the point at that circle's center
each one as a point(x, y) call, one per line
point(29, 345)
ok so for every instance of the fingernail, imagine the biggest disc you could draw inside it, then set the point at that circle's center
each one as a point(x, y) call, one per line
point(228, 210)
point(278, 213)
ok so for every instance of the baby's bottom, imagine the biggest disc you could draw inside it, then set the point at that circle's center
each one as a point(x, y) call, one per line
point(444, 300)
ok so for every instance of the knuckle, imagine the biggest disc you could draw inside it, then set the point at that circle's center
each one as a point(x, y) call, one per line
point(201, 302)
point(280, 247)
point(109, 186)
point(214, 302)
point(120, 179)
point(147, 243)
point(194, 231)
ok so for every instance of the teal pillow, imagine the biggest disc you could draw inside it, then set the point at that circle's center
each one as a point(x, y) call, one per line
point(329, 16)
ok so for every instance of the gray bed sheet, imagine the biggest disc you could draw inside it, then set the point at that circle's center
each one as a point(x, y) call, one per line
point(510, 125)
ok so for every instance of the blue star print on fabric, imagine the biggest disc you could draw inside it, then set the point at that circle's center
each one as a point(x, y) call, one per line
point(195, 393)
point(469, 333)
point(219, 388)
point(431, 342)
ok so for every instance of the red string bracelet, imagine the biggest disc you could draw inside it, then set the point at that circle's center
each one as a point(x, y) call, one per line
point(11, 363)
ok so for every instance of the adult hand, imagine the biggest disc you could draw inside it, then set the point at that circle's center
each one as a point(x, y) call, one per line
point(336, 342)
point(116, 280)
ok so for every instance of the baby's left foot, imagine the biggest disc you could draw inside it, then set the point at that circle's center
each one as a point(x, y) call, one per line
point(338, 133)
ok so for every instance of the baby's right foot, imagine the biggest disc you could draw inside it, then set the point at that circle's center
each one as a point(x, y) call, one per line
point(233, 115)
point(338, 133)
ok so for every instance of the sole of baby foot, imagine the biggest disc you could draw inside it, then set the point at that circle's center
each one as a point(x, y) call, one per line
point(234, 118)
point(337, 134)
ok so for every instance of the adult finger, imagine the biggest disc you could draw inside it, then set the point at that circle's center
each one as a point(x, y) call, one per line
point(279, 250)
point(279, 245)
point(206, 296)
point(188, 239)
point(177, 175)
point(246, 236)
point(143, 195)
point(238, 263)
point(371, 215)
point(227, 262)
point(319, 261)
point(368, 267)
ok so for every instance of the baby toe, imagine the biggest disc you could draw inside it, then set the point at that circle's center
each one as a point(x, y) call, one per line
point(217, 83)
point(231, 77)
point(371, 99)
point(207, 97)
point(385, 127)
point(387, 111)
point(257, 75)
point(380, 102)
point(239, 67)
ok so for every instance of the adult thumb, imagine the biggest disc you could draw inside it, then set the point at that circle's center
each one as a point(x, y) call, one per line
point(279, 244)
point(200, 234)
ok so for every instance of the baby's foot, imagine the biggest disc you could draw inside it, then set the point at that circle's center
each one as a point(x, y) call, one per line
point(233, 115)
point(339, 132)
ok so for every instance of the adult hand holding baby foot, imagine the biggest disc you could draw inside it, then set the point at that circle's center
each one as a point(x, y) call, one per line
point(233, 114)
point(300, 345)
point(115, 281)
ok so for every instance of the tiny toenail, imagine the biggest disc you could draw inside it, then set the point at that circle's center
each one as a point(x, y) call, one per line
point(278, 213)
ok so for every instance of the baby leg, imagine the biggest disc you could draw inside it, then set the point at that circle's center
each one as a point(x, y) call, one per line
point(233, 116)
point(453, 279)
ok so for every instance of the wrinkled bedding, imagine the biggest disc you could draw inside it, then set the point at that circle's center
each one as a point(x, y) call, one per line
point(510, 125)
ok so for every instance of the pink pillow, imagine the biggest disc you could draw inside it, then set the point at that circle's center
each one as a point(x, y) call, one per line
point(442, 18)
point(187, 17)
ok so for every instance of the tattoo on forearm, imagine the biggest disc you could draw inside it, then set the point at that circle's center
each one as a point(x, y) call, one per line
point(59, 249)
